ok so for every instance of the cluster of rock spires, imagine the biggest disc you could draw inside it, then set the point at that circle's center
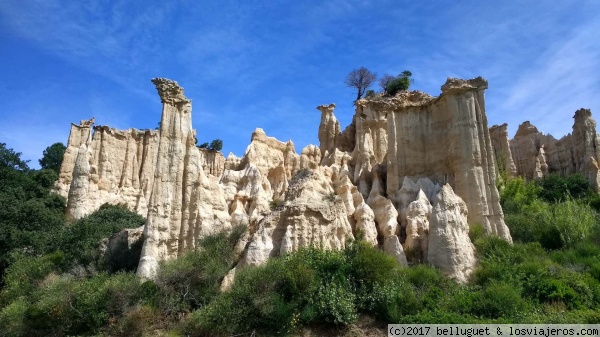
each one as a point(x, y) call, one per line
point(534, 155)
point(410, 173)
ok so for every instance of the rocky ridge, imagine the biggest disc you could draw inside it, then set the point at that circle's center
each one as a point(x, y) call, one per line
point(536, 155)
point(410, 173)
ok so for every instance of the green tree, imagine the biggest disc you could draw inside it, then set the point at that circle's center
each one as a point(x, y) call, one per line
point(53, 157)
point(11, 159)
point(400, 83)
point(360, 79)
point(216, 145)
point(385, 80)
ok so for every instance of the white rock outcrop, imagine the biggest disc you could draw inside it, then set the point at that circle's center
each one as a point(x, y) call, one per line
point(379, 177)
point(450, 247)
point(536, 154)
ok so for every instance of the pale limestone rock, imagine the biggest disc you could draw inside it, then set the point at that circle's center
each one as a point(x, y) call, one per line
point(311, 216)
point(310, 157)
point(450, 248)
point(371, 134)
point(79, 135)
point(541, 167)
point(502, 152)
point(418, 214)
point(392, 247)
point(267, 153)
point(228, 280)
point(365, 222)
point(78, 196)
point(447, 140)
point(232, 162)
point(118, 165)
point(329, 129)
point(185, 204)
point(213, 162)
point(386, 215)
point(537, 154)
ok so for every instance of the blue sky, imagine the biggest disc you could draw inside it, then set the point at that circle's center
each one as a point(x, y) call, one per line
point(249, 64)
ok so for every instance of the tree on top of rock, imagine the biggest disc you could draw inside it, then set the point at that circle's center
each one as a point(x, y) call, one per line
point(360, 79)
point(399, 83)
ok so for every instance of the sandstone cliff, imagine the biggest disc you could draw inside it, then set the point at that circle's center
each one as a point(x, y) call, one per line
point(536, 154)
point(114, 166)
point(445, 139)
point(502, 152)
point(185, 204)
point(379, 177)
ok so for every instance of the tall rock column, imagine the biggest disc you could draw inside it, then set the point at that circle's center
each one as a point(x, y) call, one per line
point(586, 147)
point(329, 129)
point(502, 153)
point(162, 227)
point(79, 136)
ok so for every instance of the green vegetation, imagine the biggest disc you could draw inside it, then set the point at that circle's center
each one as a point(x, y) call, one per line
point(399, 83)
point(54, 285)
point(53, 156)
point(215, 145)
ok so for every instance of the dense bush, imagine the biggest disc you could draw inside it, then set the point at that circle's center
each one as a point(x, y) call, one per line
point(80, 240)
point(556, 188)
point(194, 279)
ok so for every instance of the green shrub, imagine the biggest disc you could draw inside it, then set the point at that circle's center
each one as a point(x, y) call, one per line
point(80, 240)
point(65, 306)
point(573, 221)
point(518, 193)
point(193, 279)
point(555, 188)
point(12, 319)
point(26, 273)
point(498, 300)
point(397, 84)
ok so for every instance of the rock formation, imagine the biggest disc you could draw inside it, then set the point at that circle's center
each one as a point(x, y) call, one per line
point(502, 153)
point(417, 227)
point(446, 139)
point(185, 204)
point(312, 216)
point(329, 129)
point(449, 247)
point(536, 154)
point(113, 166)
point(379, 177)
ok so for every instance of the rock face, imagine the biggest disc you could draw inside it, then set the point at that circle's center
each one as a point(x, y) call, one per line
point(446, 139)
point(502, 153)
point(185, 204)
point(311, 216)
point(536, 155)
point(378, 179)
point(114, 167)
point(450, 248)
point(213, 162)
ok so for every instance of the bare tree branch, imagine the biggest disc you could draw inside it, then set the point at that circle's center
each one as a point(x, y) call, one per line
point(360, 79)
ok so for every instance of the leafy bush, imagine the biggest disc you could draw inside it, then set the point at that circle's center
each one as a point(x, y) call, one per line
point(31, 218)
point(27, 273)
point(192, 280)
point(80, 240)
point(397, 84)
point(556, 188)
point(498, 300)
